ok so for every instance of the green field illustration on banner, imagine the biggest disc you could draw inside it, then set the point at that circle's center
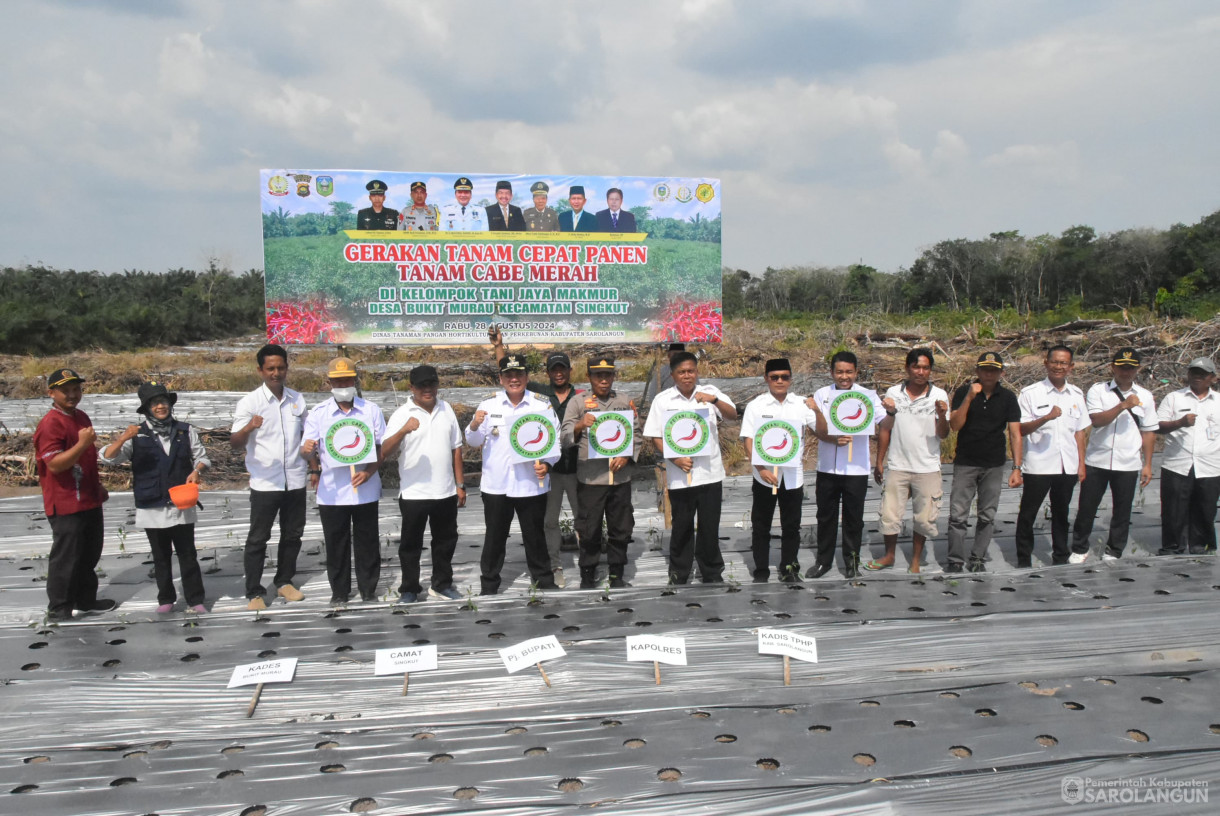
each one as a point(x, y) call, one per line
point(532, 437)
point(852, 413)
point(686, 433)
point(611, 434)
point(776, 443)
point(401, 258)
point(349, 441)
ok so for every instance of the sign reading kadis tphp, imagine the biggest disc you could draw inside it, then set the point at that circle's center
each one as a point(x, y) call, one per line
point(391, 257)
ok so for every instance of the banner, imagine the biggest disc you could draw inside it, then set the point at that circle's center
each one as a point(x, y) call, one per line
point(611, 434)
point(687, 433)
point(411, 258)
point(777, 444)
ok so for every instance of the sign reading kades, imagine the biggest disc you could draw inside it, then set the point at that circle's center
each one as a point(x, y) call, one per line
point(270, 671)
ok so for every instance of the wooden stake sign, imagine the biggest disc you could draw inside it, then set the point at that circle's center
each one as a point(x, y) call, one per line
point(533, 652)
point(405, 659)
point(657, 648)
point(788, 644)
point(259, 674)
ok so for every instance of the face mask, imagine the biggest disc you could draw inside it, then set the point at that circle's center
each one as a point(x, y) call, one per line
point(344, 394)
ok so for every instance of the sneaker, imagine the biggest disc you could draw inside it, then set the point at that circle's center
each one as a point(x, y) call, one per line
point(256, 604)
point(408, 597)
point(337, 601)
point(818, 570)
point(1077, 558)
point(165, 609)
point(560, 581)
point(617, 582)
point(1106, 558)
point(58, 617)
point(976, 565)
point(199, 609)
point(448, 593)
point(369, 598)
point(588, 578)
point(100, 605)
point(760, 579)
point(546, 583)
point(290, 593)
point(954, 566)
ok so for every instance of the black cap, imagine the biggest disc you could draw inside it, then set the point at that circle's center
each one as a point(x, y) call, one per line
point(576, 189)
point(778, 364)
point(376, 186)
point(418, 185)
point(540, 188)
point(504, 185)
point(677, 347)
point(989, 359)
point(423, 375)
point(601, 362)
point(149, 391)
point(463, 184)
point(1126, 356)
point(63, 376)
point(513, 362)
point(557, 358)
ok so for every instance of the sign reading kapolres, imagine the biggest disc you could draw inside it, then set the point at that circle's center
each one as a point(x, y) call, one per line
point(385, 257)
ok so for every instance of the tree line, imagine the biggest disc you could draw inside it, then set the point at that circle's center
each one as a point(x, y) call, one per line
point(49, 311)
point(1173, 272)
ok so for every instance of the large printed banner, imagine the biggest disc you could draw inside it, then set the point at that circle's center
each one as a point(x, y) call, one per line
point(394, 258)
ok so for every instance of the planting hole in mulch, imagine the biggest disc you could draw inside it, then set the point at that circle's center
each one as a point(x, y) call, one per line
point(634, 742)
point(326, 745)
point(1153, 700)
point(446, 757)
point(536, 751)
point(1046, 740)
point(335, 768)
point(571, 785)
point(36, 759)
point(110, 664)
point(726, 738)
point(669, 774)
point(606, 723)
point(24, 789)
point(229, 773)
point(364, 804)
point(135, 754)
point(517, 729)
point(786, 710)
point(255, 810)
point(961, 752)
point(1137, 735)
point(700, 715)
point(985, 712)
point(465, 794)
point(904, 724)
point(768, 764)
point(123, 780)
point(423, 735)
point(233, 749)
point(819, 729)
point(1028, 684)
point(1106, 681)
point(869, 703)
point(864, 759)
point(1071, 706)
point(267, 653)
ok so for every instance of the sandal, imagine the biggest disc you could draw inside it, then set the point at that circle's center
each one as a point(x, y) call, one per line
point(874, 566)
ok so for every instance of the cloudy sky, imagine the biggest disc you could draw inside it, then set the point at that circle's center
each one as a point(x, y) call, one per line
point(132, 131)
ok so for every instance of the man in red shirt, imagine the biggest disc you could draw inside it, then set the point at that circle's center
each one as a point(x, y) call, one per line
point(72, 494)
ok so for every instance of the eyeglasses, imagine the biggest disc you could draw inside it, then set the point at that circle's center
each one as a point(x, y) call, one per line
point(779, 377)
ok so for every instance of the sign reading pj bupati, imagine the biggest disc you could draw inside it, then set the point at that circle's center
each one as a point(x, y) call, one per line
point(423, 258)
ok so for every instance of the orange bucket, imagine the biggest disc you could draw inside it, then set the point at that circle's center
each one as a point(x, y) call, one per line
point(184, 496)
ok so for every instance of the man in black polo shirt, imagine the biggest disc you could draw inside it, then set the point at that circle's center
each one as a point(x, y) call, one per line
point(982, 411)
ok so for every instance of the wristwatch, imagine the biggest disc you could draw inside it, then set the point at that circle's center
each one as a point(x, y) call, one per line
point(313, 472)
point(461, 485)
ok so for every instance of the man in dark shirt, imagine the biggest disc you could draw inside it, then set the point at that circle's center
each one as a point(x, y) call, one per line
point(981, 412)
point(378, 216)
point(560, 391)
point(72, 495)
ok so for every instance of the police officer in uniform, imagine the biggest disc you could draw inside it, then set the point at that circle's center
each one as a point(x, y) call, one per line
point(540, 217)
point(378, 216)
point(462, 216)
point(420, 215)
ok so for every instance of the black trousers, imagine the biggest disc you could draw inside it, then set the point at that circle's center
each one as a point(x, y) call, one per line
point(1122, 485)
point(76, 547)
point(1188, 506)
point(498, 511)
point(265, 505)
point(1060, 486)
point(351, 530)
point(441, 516)
point(685, 545)
point(833, 489)
point(165, 541)
point(612, 502)
point(762, 511)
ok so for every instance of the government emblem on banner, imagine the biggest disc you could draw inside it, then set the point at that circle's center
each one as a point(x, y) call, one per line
point(277, 186)
point(683, 195)
point(705, 192)
point(302, 181)
point(661, 192)
point(325, 185)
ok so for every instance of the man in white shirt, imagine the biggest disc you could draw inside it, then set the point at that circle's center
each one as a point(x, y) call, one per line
point(1190, 472)
point(1125, 423)
point(1053, 427)
point(917, 419)
point(430, 484)
point(347, 495)
point(268, 423)
point(843, 470)
point(510, 487)
point(787, 482)
point(695, 483)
